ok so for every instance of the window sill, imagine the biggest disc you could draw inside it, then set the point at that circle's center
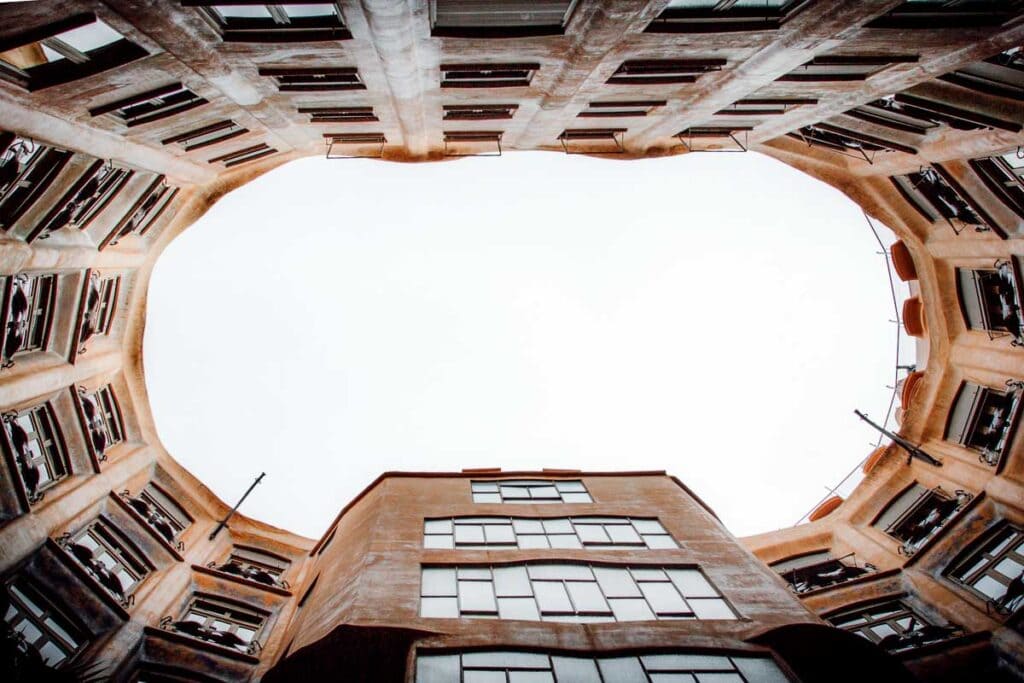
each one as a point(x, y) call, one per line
point(198, 644)
point(224, 576)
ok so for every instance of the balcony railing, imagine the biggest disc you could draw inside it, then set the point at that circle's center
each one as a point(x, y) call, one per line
point(250, 572)
point(97, 569)
point(932, 511)
point(826, 573)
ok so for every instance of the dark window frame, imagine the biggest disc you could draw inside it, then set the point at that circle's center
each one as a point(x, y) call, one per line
point(85, 200)
point(493, 75)
point(277, 28)
point(724, 17)
point(663, 71)
point(51, 454)
point(32, 176)
point(980, 560)
point(29, 307)
point(984, 401)
point(805, 73)
point(489, 30)
point(69, 635)
point(152, 105)
point(314, 79)
point(339, 114)
point(620, 109)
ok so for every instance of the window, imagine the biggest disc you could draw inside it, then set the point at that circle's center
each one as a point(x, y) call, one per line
point(70, 49)
point(206, 135)
point(487, 75)
point(339, 114)
point(529, 491)
point(593, 140)
point(1002, 75)
point(764, 106)
point(984, 419)
point(494, 666)
point(109, 557)
point(907, 109)
point(102, 419)
point(658, 71)
point(555, 532)
point(938, 14)
point(245, 155)
point(479, 112)
point(319, 79)
point(144, 213)
point(161, 512)
point(849, 142)
point(825, 68)
point(989, 299)
point(285, 22)
point(26, 171)
point(255, 565)
point(891, 113)
point(720, 16)
point(29, 302)
point(43, 627)
point(995, 570)
point(86, 199)
point(1004, 177)
point(819, 570)
point(151, 105)
point(98, 306)
point(622, 109)
point(222, 622)
point(892, 625)
point(499, 19)
point(578, 593)
point(937, 197)
point(34, 438)
point(918, 514)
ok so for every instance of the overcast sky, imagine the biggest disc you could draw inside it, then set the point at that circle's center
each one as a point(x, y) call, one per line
point(718, 316)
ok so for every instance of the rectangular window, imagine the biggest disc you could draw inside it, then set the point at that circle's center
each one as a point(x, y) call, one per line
point(67, 50)
point(499, 18)
point(161, 512)
point(551, 532)
point(722, 16)
point(891, 113)
point(846, 141)
point(621, 109)
point(936, 196)
point(109, 557)
point(288, 21)
point(990, 570)
point(661, 71)
point(29, 302)
point(500, 666)
point(1001, 76)
point(144, 213)
point(26, 170)
point(943, 14)
point(764, 106)
point(38, 447)
point(937, 112)
point(1004, 176)
point(339, 114)
point(530, 491)
point(102, 419)
point(222, 622)
point(487, 75)
point(578, 593)
point(917, 514)
point(989, 299)
point(45, 627)
point(98, 306)
point(892, 625)
point(244, 155)
point(479, 112)
point(151, 105)
point(314, 79)
point(826, 68)
point(984, 419)
point(86, 199)
point(205, 136)
point(255, 565)
point(819, 570)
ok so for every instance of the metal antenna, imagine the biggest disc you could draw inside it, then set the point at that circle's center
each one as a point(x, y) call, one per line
point(912, 450)
point(224, 522)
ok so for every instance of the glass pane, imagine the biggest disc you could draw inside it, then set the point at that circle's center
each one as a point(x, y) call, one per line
point(530, 677)
point(576, 670)
point(692, 583)
point(567, 486)
point(659, 542)
point(485, 486)
point(719, 678)
point(1013, 160)
point(648, 526)
point(438, 542)
point(518, 608)
point(528, 526)
point(437, 526)
point(511, 581)
point(663, 598)
point(622, 670)
point(990, 587)
point(499, 534)
point(711, 608)
point(90, 36)
point(1010, 568)
point(557, 526)
point(515, 492)
point(616, 583)
point(586, 596)
point(51, 654)
point(552, 597)
point(474, 573)
point(439, 608)
point(560, 571)
point(631, 609)
point(438, 581)
point(437, 669)
point(624, 534)
point(243, 11)
point(686, 663)
point(759, 669)
point(483, 677)
point(543, 492)
point(592, 533)
point(883, 630)
point(469, 534)
point(672, 678)
point(648, 574)
point(295, 11)
point(576, 498)
point(509, 660)
point(564, 541)
point(477, 596)
point(486, 497)
point(533, 542)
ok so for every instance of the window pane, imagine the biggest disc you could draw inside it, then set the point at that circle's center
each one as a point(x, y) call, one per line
point(631, 609)
point(528, 526)
point(759, 669)
point(1009, 568)
point(692, 583)
point(576, 670)
point(586, 596)
point(672, 678)
point(510, 660)
point(437, 669)
point(576, 498)
point(567, 486)
point(659, 542)
point(543, 492)
point(530, 677)
point(90, 36)
point(560, 571)
point(622, 670)
point(552, 597)
point(518, 608)
point(616, 583)
point(483, 677)
point(499, 534)
point(485, 486)
point(624, 534)
point(648, 526)
point(438, 581)
point(533, 542)
point(486, 497)
point(439, 608)
point(243, 11)
point(719, 678)
point(648, 574)
point(438, 542)
point(294, 11)
point(469, 534)
point(557, 526)
point(592, 533)
point(663, 598)
point(474, 573)
point(990, 587)
point(438, 526)
point(477, 596)
point(564, 541)
point(686, 663)
point(511, 581)
point(711, 608)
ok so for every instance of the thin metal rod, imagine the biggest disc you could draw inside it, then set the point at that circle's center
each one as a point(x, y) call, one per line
point(224, 522)
point(911, 449)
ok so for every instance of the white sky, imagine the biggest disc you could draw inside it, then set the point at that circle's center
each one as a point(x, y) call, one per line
point(718, 316)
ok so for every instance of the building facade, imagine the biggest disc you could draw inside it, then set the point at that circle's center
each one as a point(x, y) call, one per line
point(123, 122)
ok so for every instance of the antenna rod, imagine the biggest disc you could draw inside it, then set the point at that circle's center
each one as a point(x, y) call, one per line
point(911, 449)
point(224, 522)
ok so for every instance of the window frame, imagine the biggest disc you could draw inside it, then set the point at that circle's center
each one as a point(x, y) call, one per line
point(34, 177)
point(143, 214)
point(339, 114)
point(805, 72)
point(489, 30)
point(51, 446)
point(943, 15)
point(35, 310)
point(213, 609)
point(85, 200)
point(888, 612)
point(724, 18)
point(663, 71)
point(151, 105)
point(278, 27)
point(978, 402)
point(522, 529)
point(980, 559)
point(304, 79)
point(481, 486)
point(123, 553)
point(65, 630)
point(488, 75)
